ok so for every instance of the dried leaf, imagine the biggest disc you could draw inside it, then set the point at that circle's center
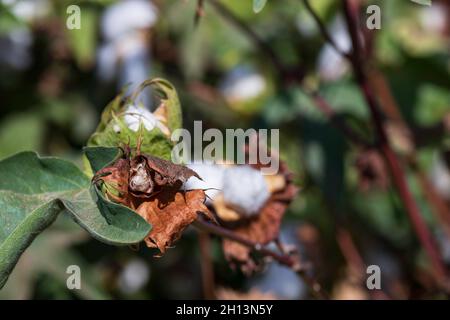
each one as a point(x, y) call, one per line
point(170, 171)
point(170, 212)
point(262, 228)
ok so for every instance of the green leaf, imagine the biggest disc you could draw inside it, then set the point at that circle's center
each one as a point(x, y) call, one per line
point(100, 157)
point(423, 2)
point(83, 40)
point(258, 5)
point(113, 131)
point(169, 98)
point(34, 190)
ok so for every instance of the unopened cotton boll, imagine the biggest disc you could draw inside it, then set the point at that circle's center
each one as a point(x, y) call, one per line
point(212, 176)
point(245, 188)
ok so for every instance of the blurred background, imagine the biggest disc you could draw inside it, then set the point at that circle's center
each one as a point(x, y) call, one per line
point(237, 69)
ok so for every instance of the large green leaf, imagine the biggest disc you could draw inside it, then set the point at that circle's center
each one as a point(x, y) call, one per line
point(100, 157)
point(34, 190)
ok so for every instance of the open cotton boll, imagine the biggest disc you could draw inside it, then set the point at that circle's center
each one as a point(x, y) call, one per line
point(440, 177)
point(134, 276)
point(135, 115)
point(434, 18)
point(127, 16)
point(331, 64)
point(29, 10)
point(242, 83)
point(245, 189)
point(212, 176)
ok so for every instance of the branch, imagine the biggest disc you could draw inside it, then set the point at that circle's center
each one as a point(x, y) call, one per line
point(254, 37)
point(323, 30)
point(206, 265)
point(337, 121)
point(392, 161)
point(285, 260)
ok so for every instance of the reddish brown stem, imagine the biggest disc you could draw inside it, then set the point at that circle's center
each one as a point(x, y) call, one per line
point(338, 122)
point(324, 30)
point(206, 265)
point(392, 161)
point(283, 259)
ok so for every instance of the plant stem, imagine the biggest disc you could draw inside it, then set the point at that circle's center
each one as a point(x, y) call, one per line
point(255, 38)
point(392, 161)
point(324, 30)
point(285, 260)
point(206, 265)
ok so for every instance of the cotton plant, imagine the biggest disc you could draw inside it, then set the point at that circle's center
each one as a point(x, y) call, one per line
point(246, 201)
point(125, 51)
point(244, 88)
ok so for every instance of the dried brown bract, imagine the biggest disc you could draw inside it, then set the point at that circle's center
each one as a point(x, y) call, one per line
point(151, 186)
point(263, 228)
point(170, 213)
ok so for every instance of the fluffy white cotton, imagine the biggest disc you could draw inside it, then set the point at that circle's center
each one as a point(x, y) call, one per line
point(134, 276)
point(242, 186)
point(440, 177)
point(212, 176)
point(331, 64)
point(434, 18)
point(245, 188)
point(242, 84)
point(15, 48)
point(127, 16)
point(135, 115)
point(29, 10)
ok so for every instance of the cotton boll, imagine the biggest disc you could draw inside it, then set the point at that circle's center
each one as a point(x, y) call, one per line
point(212, 176)
point(331, 64)
point(127, 16)
point(243, 84)
point(134, 276)
point(245, 189)
point(135, 115)
point(434, 18)
point(106, 61)
point(279, 280)
point(15, 49)
point(135, 66)
point(29, 10)
point(440, 177)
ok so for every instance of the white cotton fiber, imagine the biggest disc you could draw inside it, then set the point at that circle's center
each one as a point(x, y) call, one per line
point(212, 176)
point(135, 115)
point(245, 188)
point(127, 16)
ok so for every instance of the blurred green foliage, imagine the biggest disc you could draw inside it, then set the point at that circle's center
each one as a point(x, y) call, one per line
point(52, 105)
